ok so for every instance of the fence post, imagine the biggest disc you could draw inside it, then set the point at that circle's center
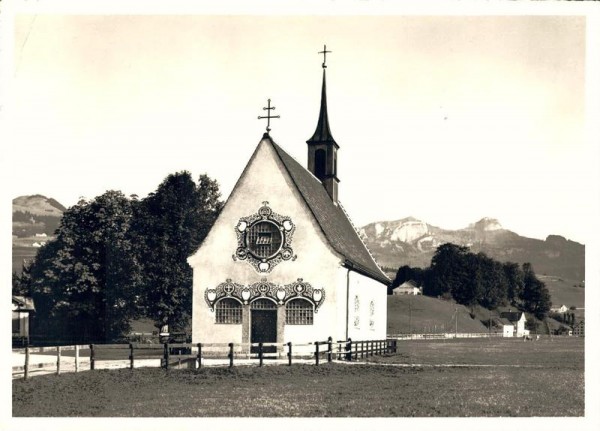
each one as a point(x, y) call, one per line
point(199, 355)
point(131, 356)
point(316, 353)
point(26, 372)
point(260, 354)
point(349, 349)
point(362, 349)
point(230, 355)
point(57, 360)
point(329, 348)
point(166, 356)
point(76, 358)
point(289, 344)
point(92, 358)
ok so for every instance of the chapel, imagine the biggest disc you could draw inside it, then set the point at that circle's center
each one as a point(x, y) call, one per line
point(283, 262)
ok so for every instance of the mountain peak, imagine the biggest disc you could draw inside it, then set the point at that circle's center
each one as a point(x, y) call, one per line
point(486, 224)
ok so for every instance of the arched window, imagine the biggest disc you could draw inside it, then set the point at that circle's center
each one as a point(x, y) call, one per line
point(263, 304)
point(299, 312)
point(228, 311)
point(320, 164)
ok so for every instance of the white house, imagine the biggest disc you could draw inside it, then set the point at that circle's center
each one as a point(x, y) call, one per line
point(283, 262)
point(407, 288)
point(517, 319)
point(562, 309)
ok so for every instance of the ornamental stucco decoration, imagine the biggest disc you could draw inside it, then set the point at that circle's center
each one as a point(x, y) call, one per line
point(265, 289)
point(264, 239)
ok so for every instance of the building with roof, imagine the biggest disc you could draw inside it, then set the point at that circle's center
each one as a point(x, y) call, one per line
point(408, 288)
point(22, 307)
point(283, 262)
point(517, 319)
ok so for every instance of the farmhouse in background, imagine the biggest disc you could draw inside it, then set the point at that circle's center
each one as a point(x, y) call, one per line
point(517, 319)
point(562, 309)
point(283, 262)
point(408, 288)
point(22, 307)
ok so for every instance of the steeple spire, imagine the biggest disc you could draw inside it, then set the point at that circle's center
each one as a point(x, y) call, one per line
point(323, 132)
point(322, 148)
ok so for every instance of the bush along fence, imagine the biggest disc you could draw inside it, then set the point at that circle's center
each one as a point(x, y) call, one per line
point(178, 355)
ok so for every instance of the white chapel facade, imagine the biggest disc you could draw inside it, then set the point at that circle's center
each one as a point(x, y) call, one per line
point(283, 262)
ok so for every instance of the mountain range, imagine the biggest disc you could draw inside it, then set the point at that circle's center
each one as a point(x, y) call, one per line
point(412, 242)
point(407, 241)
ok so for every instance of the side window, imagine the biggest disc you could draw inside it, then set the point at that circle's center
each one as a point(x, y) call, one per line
point(299, 312)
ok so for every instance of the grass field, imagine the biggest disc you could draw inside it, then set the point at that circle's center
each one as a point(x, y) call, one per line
point(451, 378)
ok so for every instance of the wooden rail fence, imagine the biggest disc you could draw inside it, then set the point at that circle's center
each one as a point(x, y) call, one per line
point(195, 355)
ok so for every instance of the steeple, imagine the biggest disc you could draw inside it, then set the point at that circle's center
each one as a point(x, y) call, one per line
point(322, 148)
point(323, 132)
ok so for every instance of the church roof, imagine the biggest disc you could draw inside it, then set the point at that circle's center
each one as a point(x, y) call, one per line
point(323, 132)
point(332, 219)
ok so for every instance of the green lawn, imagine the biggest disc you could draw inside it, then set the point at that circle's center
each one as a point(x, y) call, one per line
point(519, 379)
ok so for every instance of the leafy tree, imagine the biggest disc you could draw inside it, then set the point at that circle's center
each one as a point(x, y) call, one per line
point(85, 283)
point(535, 295)
point(515, 281)
point(170, 225)
point(493, 285)
point(449, 271)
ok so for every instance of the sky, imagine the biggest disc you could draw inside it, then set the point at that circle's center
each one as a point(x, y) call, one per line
point(445, 118)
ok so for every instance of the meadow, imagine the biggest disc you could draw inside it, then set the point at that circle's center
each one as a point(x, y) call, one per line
point(452, 378)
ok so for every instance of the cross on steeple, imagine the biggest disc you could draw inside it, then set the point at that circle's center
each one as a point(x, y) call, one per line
point(268, 116)
point(324, 52)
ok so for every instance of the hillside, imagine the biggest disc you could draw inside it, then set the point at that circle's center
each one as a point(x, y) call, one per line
point(412, 242)
point(35, 218)
point(428, 315)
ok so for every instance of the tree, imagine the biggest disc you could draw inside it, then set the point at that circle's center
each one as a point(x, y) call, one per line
point(170, 225)
point(535, 295)
point(449, 271)
point(515, 281)
point(85, 283)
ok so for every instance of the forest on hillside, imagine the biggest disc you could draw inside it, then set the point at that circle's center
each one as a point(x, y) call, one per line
point(476, 279)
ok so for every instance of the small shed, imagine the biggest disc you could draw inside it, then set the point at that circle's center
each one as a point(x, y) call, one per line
point(408, 288)
point(508, 329)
